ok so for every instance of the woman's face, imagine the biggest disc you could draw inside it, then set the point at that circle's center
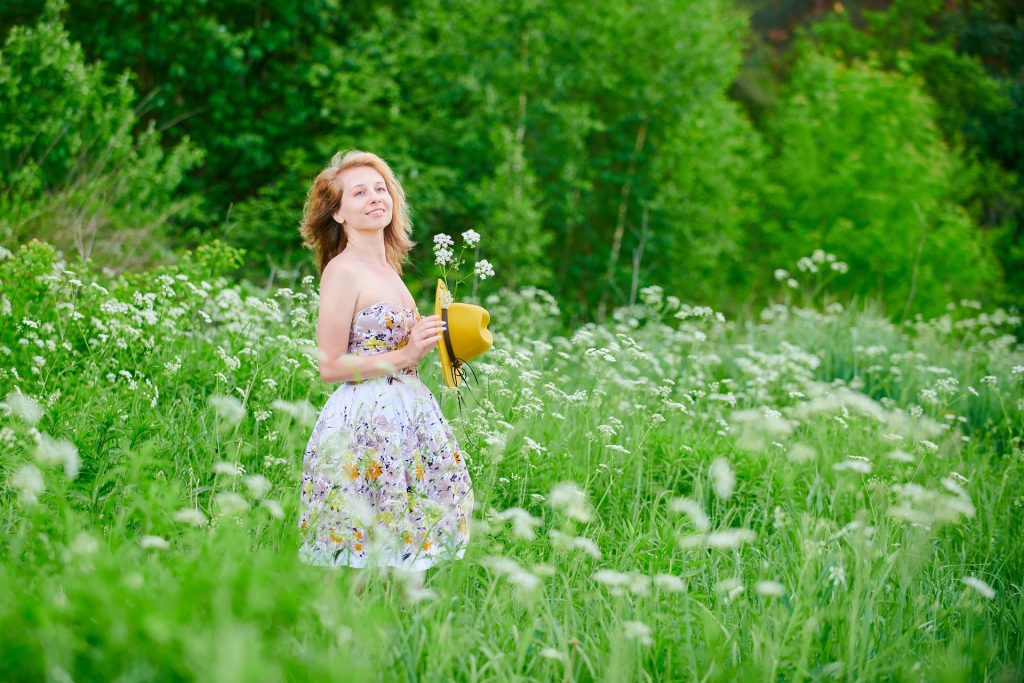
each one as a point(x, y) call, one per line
point(366, 203)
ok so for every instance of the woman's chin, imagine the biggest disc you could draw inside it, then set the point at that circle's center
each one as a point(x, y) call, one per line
point(374, 225)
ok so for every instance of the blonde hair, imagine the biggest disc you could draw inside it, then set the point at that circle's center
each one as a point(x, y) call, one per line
point(326, 236)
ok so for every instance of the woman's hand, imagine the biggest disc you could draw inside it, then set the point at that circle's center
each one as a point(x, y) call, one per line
point(423, 337)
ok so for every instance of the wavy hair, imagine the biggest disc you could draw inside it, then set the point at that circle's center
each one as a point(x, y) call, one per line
point(326, 236)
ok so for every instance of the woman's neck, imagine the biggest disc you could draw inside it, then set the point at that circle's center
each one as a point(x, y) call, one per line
point(368, 249)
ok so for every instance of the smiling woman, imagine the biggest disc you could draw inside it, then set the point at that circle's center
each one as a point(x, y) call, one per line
point(325, 214)
point(383, 479)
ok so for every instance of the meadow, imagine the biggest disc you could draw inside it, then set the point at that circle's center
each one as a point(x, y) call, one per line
point(811, 493)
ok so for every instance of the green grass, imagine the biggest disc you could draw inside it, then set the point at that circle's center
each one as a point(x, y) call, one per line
point(671, 496)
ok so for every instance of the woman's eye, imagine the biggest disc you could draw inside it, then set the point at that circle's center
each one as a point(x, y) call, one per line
point(359, 193)
point(382, 189)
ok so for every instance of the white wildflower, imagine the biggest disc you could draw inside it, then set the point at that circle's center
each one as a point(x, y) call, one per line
point(471, 238)
point(483, 269)
point(730, 538)
point(837, 575)
point(230, 503)
point(669, 582)
point(638, 631)
point(801, 452)
point(258, 485)
point(303, 412)
point(571, 500)
point(900, 456)
point(84, 544)
point(722, 478)
point(977, 584)
point(619, 583)
point(724, 539)
point(525, 581)
point(228, 407)
point(692, 509)
point(190, 516)
point(534, 446)
point(27, 480)
point(730, 587)
point(446, 298)
point(23, 406)
point(273, 507)
point(229, 468)
point(855, 464)
point(523, 523)
point(771, 589)
point(443, 257)
point(50, 451)
point(566, 541)
point(920, 505)
point(157, 542)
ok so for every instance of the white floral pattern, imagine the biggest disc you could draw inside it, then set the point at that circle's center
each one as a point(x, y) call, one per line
point(383, 480)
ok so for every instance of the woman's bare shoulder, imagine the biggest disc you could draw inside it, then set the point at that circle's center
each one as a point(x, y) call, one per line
point(342, 269)
point(341, 275)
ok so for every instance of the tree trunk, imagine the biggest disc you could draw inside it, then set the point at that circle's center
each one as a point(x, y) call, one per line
point(620, 221)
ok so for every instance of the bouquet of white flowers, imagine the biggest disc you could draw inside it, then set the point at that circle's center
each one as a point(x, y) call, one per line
point(449, 263)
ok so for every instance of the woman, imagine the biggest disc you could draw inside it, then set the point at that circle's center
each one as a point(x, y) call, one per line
point(383, 481)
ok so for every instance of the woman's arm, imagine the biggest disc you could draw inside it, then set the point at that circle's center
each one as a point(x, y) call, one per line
point(338, 295)
point(349, 366)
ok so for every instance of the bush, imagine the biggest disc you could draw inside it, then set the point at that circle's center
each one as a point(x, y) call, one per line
point(862, 171)
point(76, 171)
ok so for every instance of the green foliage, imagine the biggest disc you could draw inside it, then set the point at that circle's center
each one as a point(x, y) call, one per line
point(710, 176)
point(74, 169)
point(554, 149)
point(862, 171)
point(598, 152)
point(965, 58)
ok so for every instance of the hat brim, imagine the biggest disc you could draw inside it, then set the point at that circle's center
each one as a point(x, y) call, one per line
point(447, 369)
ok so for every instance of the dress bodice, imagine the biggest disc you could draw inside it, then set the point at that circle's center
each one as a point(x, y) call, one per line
point(380, 328)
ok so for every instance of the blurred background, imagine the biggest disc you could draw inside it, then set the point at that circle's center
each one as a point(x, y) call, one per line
point(598, 147)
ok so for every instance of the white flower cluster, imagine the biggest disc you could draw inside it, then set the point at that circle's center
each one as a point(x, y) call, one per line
point(445, 256)
point(571, 500)
point(812, 264)
point(523, 523)
point(483, 269)
point(524, 580)
point(443, 253)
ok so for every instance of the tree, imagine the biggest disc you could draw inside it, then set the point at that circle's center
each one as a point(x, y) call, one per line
point(862, 171)
point(74, 169)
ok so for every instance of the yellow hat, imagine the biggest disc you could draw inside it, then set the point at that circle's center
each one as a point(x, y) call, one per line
point(465, 337)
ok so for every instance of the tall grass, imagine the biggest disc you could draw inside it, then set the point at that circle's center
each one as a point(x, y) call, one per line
point(812, 494)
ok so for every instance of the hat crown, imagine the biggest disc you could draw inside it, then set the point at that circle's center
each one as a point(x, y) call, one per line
point(467, 328)
point(466, 335)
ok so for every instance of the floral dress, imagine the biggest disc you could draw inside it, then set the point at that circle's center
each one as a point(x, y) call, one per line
point(383, 480)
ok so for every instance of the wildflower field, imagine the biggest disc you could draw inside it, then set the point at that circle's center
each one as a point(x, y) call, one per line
point(814, 493)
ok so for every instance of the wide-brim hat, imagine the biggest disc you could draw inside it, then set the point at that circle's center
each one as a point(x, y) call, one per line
point(465, 337)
